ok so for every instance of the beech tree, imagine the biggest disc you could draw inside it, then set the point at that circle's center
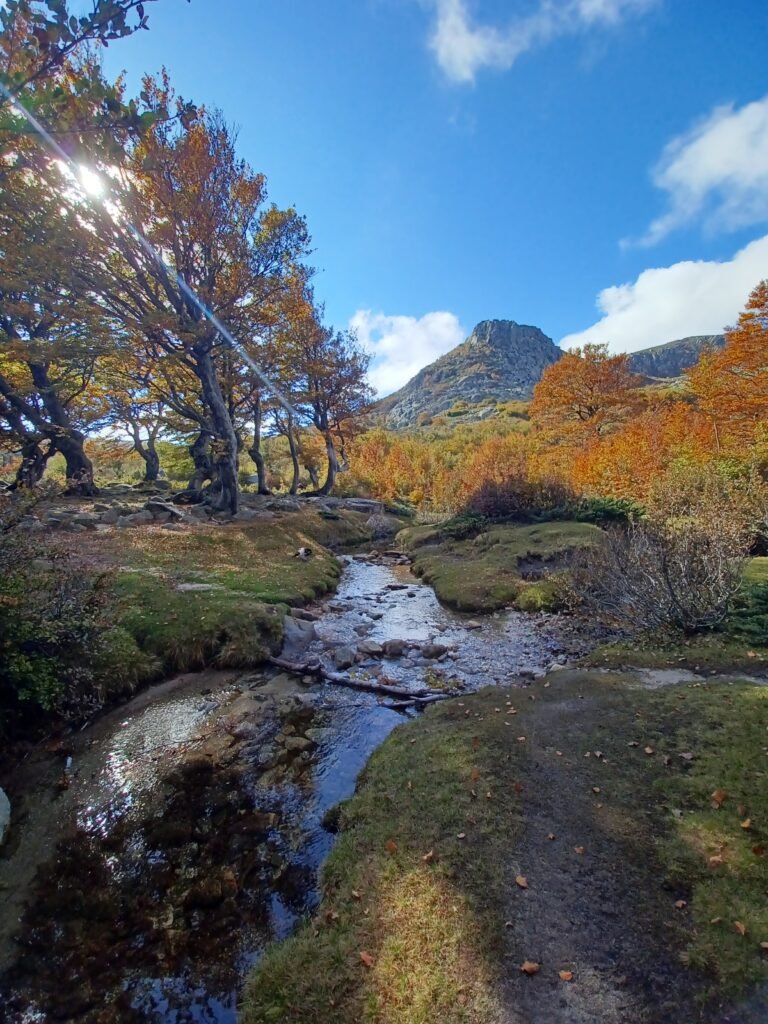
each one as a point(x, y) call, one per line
point(585, 394)
point(731, 385)
point(206, 211)
point(52, 332)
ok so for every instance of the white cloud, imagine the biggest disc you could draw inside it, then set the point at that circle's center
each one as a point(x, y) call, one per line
point(666, 303)
point(401, 345)
point(719, 168)
point(462, 46)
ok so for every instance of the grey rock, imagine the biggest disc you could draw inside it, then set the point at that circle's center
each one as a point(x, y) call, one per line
point(674, 358)
point(111, 516)
point(370, 647)
point(434, 651)
point(395, 648)
point(297, 636)
point(162, 508)
point(344, 657)
point(299, 744)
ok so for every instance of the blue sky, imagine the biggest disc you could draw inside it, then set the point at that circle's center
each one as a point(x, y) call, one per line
point(598, 168)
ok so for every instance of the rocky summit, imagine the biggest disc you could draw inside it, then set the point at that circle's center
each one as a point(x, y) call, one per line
point(501, 360)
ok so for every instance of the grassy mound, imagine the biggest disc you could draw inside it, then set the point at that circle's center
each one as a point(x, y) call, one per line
point(502, 565)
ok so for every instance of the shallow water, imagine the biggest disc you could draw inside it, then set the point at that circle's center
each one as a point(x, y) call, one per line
point(117, 784)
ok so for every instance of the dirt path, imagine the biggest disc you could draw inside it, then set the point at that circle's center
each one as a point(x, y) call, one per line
point(598, 904)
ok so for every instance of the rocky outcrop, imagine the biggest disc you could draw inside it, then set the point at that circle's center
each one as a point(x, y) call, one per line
point(501, 360)
point(674, 358)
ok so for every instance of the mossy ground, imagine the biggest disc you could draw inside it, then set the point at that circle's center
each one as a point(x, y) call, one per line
point(253, 573)
point(484, 572)
point(422, 879)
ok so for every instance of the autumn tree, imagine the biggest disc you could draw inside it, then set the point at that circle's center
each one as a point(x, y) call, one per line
point(52, 331)
point(584, 395)
point(731, 385)
point(332, 386)
point(206, 211)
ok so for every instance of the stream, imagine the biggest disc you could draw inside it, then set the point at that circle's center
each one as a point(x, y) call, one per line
point(155, 853)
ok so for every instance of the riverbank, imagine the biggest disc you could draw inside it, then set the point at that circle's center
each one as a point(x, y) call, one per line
point(197, 815)
point(590, 849)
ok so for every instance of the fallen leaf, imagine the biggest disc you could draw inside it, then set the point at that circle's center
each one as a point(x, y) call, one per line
point(681, 904)
point(521, 739)
point(688, 756)
point(566, 975)
point(474, 775)
point(595, 789)
point(509, 924)
point(633, 743)
point(356, 895)
point(366, 958)
point(462, 835)
point(740, 928)
point(764, 946)
point(747, 823)
point(715, 920)
point(718, 798)
point(331, 916)
point(522, 881)
point(648, 750)
point(391, 846)
point(551, 836)
point(759, 850)
point(715, 860)
point(429, 857)
point(530, 967)
point(579, 850)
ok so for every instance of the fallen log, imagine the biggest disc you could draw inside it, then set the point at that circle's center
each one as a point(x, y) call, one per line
point(316, 668)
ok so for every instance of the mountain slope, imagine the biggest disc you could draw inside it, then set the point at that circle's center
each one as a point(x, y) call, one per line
point(500, 360)
point(503, 361)
point(672, 359)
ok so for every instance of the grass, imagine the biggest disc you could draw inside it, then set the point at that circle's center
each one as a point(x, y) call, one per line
point(482, 573)
point(252, 572)
point(741, 645)
point(432, 930)
point(715, 848)
point(401, 887)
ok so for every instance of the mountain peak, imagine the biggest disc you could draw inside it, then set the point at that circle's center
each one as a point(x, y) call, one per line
point(500, 360)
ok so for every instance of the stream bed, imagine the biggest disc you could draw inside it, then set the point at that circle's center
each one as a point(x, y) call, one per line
point(155, 853)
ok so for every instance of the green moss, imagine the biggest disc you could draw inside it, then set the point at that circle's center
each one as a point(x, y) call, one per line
point(484, 572)
point(431, 926)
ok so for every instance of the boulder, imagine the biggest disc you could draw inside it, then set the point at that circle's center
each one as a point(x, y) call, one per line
point(141, 518)
point(162, 508)
point(395, 648)
point(433, 651)
point(299, 744)
point(297, 636)
point(344, 657)
point(370, 647)
point(110, 517)
point(5, 816)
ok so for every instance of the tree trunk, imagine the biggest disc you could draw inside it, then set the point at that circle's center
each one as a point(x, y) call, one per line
point(223, 494)
point(294, 457)
point(67, 440)
point(333, 465)
point(79, 469)
point(151, 462)
point(201, 457)
point(255, 450)
point(33, 462)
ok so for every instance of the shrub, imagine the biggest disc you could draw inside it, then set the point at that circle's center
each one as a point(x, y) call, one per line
point(656, 574)
point(519, 499)
point(603, 511)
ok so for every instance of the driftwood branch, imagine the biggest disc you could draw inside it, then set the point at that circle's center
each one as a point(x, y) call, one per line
point(405, 697)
